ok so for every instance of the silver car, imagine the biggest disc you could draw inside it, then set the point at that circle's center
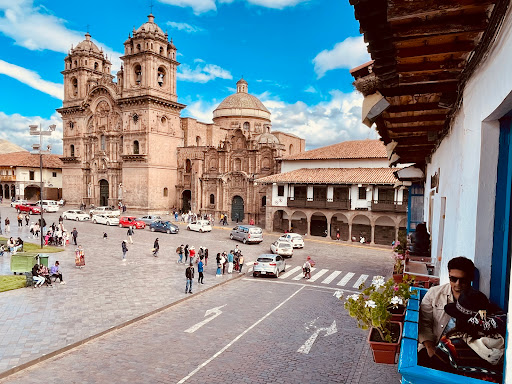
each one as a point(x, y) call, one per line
point(282, 248)
point(269, 264)
point(149, 219)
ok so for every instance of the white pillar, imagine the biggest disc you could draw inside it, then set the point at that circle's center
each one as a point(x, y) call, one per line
point(310, 193)
point(330, 193)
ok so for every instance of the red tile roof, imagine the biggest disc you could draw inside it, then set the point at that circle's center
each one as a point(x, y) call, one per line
point(334, 176)
point(357, 149)
point(26, 159)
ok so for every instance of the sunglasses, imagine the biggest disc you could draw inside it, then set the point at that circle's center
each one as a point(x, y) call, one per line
point(463, 280)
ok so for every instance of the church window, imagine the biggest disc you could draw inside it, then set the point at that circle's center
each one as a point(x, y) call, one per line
point(280, 190)
point(71, 125)
point(138, 74)
point(212, 198)
point(74, 84)
point(31, 175)
point(135, 118)
point(161, 76)
point(166, 192)
point(161, 51)
point(246, 126)
point(188, 166)
point(238, 164)
point(95, 66)
point(264, 201)
point(163, 120)
point(102, 142)
point(198, 141)
point(265, 163)
point(75, 64)
point(138, 47)
point(291, 149)
point(121, 143)
point(135, 147)
point(72, 150)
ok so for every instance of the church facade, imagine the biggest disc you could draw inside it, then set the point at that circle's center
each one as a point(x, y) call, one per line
point(126, 141)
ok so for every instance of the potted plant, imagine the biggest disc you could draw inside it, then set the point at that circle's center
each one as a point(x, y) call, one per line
point(399, 255)
point(372, 310)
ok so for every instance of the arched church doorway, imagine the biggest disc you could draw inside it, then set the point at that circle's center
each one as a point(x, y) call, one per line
point(31, 192)
point(186, 196)
point(237, 209)
point(104, 195)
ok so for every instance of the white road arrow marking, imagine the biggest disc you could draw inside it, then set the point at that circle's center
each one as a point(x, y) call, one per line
point(215, 311)
point(306, 347)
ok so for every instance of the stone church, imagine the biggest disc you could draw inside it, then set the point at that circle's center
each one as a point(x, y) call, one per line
point(125, 140)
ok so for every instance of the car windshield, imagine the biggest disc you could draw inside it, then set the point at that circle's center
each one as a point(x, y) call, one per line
point(256, 231)
point(265, 259)
point(285, 245)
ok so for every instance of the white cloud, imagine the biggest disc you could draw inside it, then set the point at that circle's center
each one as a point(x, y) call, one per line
point(184, 27)
point(202, 73)
point(276, 4)
point(349, 53)
point(14, 128)
point(34, 28)
point(199, 6)
point(310, 89)
point(202, 6)
point(201, 110)
point(32, 79)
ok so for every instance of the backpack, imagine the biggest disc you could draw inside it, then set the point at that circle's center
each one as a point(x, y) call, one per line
point(178, 250)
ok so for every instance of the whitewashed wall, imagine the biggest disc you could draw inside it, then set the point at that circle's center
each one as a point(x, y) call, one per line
point(291, 165)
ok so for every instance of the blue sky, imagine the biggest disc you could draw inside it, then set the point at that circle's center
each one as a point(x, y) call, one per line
point(295, 55)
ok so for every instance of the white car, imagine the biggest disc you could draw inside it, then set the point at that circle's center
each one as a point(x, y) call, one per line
point(105, 211)
point(269, 265)
point(18, 202)
point(102, 218)
point(75, 214)
point(294, 238)
point(200, 226)
point(49, 205)
point(283, 248)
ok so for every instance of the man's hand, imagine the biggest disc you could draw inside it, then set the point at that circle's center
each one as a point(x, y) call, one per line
point(431, 347)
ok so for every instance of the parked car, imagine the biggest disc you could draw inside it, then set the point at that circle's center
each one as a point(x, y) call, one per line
point(200, 226)
point(105, 210)
point(29, 207)
point(247, 234)
point(103, 218)
point(149, 219)
point(294, 238)
point(49, 205)
point(163, 226)
point(18, 202)
point(75, 214)
point(269, 265)
point(281, 247)
point(131, 221)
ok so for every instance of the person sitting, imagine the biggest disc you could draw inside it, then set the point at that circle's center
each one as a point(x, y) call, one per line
point(11, 244)
point(420, 240)
point(38, 280)
point(55, 272)
point(18, 245)
point(43, 271)
point(474, 347)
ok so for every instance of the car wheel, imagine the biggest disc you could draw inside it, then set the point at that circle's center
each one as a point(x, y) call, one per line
point(188, 228)
point(152, 229)
point(65, 217)
point(244, 241)
point(120, 225)
point(277, 273)
point(254, 274)
point(168, 231)
point(94, 221)
point(231, 237)
point(108, 223)
point(77, 218)
point(200, 231)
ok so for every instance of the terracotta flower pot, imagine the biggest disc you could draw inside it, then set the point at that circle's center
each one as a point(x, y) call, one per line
point(384, 353)
point(398, 277)
point(397, 314)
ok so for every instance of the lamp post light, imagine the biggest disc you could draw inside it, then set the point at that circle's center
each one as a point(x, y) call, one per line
point(37, 130)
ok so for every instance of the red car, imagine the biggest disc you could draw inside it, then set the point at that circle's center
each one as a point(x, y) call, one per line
point(130, 221)
point(29, 207)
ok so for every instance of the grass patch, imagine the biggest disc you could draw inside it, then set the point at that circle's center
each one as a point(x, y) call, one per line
point(36, 248)
point(8, 283)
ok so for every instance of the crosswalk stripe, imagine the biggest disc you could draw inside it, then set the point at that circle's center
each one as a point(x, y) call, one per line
point(360, 281)
point(346, 279)
point(320, 273)
point(289, 273)
point(300, 275)
point(331, 277)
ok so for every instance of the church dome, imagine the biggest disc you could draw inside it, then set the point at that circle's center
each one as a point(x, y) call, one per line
point(150, 26)
point(87, 45)
point(241, 103)
point(268, 138)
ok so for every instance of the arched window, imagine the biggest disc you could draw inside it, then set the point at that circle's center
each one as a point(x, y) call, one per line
point(198, 141)
point(72, 150)
point(135, 118)
point(95, 66)
point(291, 149)
point(246, 126)
point(103, 144)
point(212, 199)
point(121, 144)
point(161, 76)
point(74, 84)
point(138, 47)
point(161, 51)
point(138, 74)
point(75, 63)
point(264, 201)
point(135, 147)
point(166, 192)
point(238, 164)
point(188, 166)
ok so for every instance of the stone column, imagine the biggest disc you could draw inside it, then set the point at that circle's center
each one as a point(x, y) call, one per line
point(349, 231)
point(373, 234)
point(396, 233)
point(329, 230)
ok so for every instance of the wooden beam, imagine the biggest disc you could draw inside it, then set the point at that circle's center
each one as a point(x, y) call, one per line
point(417, 89)
point(415, 119)
point(403, 9)
point(427, 66)
point(416, 129)
point(418, 78)
point(412, 107)
point(435, 49)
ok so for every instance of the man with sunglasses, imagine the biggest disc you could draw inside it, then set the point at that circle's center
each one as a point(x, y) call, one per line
point(434, 321)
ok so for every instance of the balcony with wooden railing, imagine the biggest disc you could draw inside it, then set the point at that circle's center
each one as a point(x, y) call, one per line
point(388, 206)
point(318, 204)
point(7, 177)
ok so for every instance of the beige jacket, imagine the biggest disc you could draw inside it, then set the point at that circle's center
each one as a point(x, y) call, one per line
point(433, 318)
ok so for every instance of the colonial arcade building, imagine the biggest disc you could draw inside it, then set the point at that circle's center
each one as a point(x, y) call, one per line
point(126, 141)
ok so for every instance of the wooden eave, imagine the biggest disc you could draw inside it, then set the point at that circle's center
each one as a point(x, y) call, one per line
point(423, 52)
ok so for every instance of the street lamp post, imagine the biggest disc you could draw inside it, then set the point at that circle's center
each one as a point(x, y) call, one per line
point(36, 130)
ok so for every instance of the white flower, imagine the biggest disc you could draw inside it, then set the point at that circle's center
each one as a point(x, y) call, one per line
point(370, 304)
point(353, 297)
point(338, 294)
point(378, 281)
point(396, 301)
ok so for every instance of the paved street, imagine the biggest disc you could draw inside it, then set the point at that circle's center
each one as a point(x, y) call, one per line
point(273, 317)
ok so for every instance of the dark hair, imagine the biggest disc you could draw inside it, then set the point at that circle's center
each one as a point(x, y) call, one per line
point(464, 264)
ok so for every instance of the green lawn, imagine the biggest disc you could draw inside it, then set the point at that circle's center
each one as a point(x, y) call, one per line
point(36, 248)
point(8, 283)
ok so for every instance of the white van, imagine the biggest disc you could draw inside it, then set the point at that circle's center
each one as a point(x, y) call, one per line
point(49, 205)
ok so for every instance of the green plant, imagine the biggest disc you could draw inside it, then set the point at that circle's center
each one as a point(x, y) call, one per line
point(371, 306)
point(399, 253)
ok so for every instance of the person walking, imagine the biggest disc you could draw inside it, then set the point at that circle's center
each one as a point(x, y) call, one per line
point(189, 274)
point(27, 219)
point(20, 220)
point(200, 267)
point(230, 262)
point(180, 251)
point(206, 257)
point(130, 234)
point(124, 249)
point(223, 261)
point(191, 254)
point(337, 234)
point(219, 266)
point(186, 253)
point(156, 248)
point(79, 257)
point(74, 234)
point(7, 223)
point(240, 263)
